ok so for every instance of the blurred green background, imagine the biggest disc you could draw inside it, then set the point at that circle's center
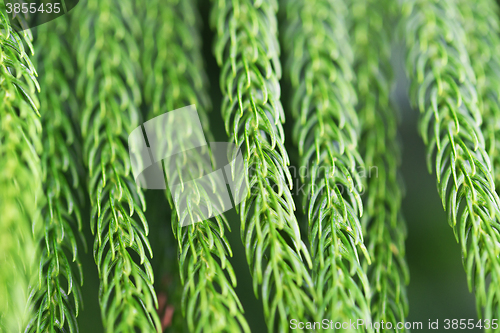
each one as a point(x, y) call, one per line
point(438, 287)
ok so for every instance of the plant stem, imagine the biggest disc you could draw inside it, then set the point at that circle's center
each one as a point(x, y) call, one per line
point(383, 223)
point(20, 177)
point(443, 87)
point(247, 51)
point(58, 307)
point(209, 302)
point(107, 35)
point(326, 129)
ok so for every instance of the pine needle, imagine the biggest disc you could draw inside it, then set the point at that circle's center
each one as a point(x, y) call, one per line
point(443, 87)
point(20, 177)
point(481, 24)
point(106, 45)
point(482, 28)
point(58, 298)
point(383, 223)
point(175, 77)
point(247, 51)
point(326, 130)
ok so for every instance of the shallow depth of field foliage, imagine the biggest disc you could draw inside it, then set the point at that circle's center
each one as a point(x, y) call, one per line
point(305, 89)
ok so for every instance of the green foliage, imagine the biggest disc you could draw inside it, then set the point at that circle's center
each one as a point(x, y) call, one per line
point(480, 21)
point(107, 59)
point(174, 76)
point(20, 176)
point(383, 224)
point(326, 129)
point(108, 72)
point(481, 24)
point(443, 87)
point(58, 298)
point(247, 50)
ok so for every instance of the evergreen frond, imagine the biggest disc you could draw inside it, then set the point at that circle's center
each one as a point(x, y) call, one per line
point(481, 24)
point(443, 88)
point(20, 176)
point(247, 51)
point(123, 86)
point(383, 223)
point(107, 51)
point(326, 129)
point(175, 77)
point(58, 298)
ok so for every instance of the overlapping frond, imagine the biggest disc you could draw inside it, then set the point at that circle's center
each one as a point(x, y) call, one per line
point(20, 176)
point(106, 40)
point(175, 78)
point(58, 297)
point(383, 224)
point(247, 50)
point(338, 66)
point(326, 130)
point(443, 89)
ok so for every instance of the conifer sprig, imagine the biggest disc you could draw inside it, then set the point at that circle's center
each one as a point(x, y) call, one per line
point(106, 46)
point(443, 89)
point(247, 50)
point(326, 130)
point(175, 77)
point(383, 224)
point(20, 176)
point(58, 298)
point(480, 21)
point(481, 25)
